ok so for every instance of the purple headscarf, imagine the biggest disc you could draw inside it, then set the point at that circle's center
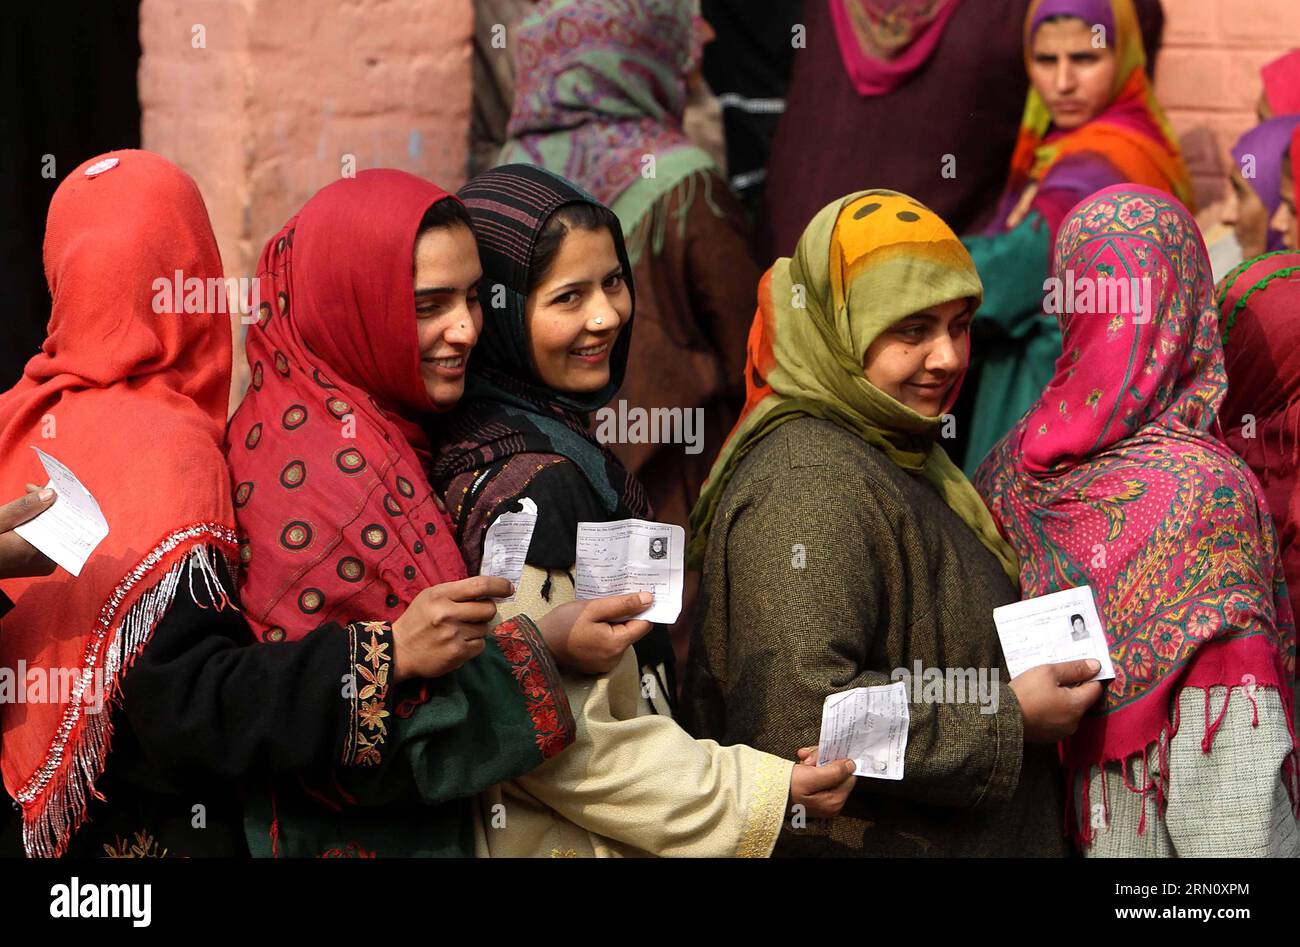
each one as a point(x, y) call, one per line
point(1091, 12)
point(1267, 143)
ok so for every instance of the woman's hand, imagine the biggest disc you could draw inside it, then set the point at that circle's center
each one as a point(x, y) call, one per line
point(1053, 697)
point(18, 557)
point(821, 790)
point(1021, 210)
point(584, 636)
point(444, 626)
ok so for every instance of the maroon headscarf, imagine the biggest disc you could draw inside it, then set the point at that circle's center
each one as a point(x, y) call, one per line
point(1258, 303)
point(336, 517)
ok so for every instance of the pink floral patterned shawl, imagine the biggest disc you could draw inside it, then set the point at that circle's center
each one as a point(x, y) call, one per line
point(1119, 478)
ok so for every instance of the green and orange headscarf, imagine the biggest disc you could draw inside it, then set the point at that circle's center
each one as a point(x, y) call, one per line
point(865, 262)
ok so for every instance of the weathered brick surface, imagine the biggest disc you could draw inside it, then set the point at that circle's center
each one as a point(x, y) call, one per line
point(265, 114)
point(1208, 74)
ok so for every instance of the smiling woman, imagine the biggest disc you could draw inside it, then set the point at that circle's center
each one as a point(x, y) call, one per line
point(578, 298)
point(447, 313)
point(841, 465)
point(920, 359)
point(555, 348)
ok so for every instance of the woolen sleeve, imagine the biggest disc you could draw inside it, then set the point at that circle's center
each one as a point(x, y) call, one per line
point(1227, 763)
point(814, 566)
point(204, 700)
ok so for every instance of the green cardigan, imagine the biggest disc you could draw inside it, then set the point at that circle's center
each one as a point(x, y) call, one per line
point(827, 568)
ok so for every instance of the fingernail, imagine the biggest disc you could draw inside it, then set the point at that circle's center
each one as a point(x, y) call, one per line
point(1094, 665)
point(645, 598)
point(46, 494)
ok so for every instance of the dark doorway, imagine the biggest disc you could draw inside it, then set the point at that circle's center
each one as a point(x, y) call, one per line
point(67, 91)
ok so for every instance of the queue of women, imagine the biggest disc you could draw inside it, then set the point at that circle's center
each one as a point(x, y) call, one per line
point(299, 653)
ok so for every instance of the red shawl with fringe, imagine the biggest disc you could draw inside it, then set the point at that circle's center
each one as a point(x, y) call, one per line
point(133, 401)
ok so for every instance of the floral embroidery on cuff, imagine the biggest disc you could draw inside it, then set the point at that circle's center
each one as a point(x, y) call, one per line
point(347, 850)
point(143, 846)
point(539, 682)
point(370, 659)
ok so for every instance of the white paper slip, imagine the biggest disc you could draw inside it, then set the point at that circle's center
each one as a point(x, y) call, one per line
point(632, 556)
point(69, 531)
point(505, 547)
point(869, 726)
point(1049, 629)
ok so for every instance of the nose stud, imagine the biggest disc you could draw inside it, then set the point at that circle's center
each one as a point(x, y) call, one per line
point(600, 320)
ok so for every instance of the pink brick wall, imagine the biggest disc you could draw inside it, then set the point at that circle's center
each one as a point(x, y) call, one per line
point(1208, 73)
point(264, 115)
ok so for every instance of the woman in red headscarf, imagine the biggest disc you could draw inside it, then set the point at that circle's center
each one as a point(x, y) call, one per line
point(132, 401)
point(370, 317)
point(145, 649)
point(1119, 479)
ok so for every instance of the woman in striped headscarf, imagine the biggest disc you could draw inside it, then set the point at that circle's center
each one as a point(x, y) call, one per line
point(602, 90)
point(557, 331)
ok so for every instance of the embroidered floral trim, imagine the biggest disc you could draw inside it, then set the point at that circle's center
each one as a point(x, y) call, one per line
point(766, 809)
point(144, 846)
point(539, 681)
point(368, 706)
point(348, 850)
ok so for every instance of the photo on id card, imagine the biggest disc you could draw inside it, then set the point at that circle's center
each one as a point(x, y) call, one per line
point(1050, 629)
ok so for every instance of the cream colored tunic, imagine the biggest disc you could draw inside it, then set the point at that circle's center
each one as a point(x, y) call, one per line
point(633, 783)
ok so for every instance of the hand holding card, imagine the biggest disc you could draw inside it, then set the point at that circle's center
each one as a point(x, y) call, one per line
point(68, 531)
point(626, 556)
point(1055, 648)
point(1052, 629)
point(505, 547)
point(19, 559)
point(869, 726)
